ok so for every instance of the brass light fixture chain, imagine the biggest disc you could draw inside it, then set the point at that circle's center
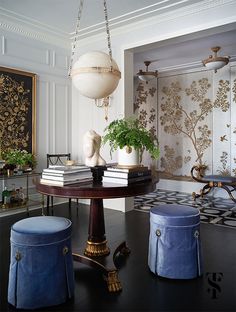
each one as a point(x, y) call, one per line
point(107, 31)
point(99, 69)
point(76, 36)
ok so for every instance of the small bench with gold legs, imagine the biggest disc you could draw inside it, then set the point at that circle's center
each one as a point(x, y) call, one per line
point(227, 183)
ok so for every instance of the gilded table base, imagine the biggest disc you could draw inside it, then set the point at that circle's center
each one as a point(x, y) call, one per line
point(96, 249)
point(105, 263)
point(113, 282)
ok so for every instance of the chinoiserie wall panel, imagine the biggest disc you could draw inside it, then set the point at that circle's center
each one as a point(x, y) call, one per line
point(221, 114)
point(181, 122)
point(233, 120)
point(145, 108)
point(196, 123)
point(53, 88)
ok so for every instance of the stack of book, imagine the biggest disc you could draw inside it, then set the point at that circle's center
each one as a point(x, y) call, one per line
point(126, 176)
point(65, 175)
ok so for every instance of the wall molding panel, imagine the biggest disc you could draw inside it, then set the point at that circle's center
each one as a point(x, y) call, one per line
point(53, 119)
point(3, 45)
point(27, 53)
point(59, 60)
point(43, 121)
point(47, 57)
point(68, 118)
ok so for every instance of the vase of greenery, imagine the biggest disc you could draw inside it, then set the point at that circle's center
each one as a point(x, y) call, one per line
point(20, 159)
point(130, 138)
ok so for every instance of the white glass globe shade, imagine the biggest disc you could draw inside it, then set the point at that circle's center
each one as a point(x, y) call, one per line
point(146, 77)
point(215, 65)
point(92, 75)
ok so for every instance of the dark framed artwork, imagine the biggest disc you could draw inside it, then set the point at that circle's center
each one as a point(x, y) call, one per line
point(17, 110)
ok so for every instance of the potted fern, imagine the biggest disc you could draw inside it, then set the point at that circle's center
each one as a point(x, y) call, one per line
point(19, 159)
point(130, 138)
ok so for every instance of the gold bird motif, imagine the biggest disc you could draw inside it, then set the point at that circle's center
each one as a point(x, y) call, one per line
point(223, 138)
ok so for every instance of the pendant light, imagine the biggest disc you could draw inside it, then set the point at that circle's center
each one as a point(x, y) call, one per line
point(95, 74)
point(215, 62)
point(147, 75)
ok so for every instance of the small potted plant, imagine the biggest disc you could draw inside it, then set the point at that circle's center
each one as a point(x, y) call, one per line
point(20, 159)
point(130, 138)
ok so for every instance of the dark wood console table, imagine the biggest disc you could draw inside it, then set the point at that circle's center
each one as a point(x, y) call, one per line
point(97, 253)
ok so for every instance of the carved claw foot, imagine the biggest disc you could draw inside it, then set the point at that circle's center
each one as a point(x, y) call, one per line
point(125, 251)
point(194, 195)
point(113, 282)
point(201, 193)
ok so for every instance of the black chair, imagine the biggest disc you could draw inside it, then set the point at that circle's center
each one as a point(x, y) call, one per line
point(58, 159)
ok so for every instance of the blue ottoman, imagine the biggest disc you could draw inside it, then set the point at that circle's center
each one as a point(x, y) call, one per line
point(41, 268)
point(174, 242)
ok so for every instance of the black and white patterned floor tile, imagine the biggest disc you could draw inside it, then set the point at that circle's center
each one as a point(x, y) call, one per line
point(218, 211)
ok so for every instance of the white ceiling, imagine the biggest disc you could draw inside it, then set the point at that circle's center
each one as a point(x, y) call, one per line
point(59, 16)
point(187, 51)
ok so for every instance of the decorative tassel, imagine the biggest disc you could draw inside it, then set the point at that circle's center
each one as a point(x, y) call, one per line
point(65, 253)
point(158, 234)
point(196, 234)
point(18, 258)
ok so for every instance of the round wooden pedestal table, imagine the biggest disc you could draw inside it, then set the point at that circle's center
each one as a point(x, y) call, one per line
point(97, 253)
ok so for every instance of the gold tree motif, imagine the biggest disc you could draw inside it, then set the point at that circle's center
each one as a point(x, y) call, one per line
point(221, 95)
point(171, 162)
point(146, 116)
point(13, 113)
point(234, 170)
point(142, 96)
point(224, 160)
point(176, 119)
point(234, 90)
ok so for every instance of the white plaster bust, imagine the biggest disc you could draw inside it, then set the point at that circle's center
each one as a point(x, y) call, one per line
point(91, 148)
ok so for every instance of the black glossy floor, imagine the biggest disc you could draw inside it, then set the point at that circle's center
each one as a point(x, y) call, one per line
point(142, 291)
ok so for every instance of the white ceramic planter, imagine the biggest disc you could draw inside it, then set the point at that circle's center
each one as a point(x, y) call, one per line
point(128, 156)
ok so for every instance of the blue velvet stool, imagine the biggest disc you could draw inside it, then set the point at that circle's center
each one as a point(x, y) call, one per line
point(174, 242)
point(41, 268)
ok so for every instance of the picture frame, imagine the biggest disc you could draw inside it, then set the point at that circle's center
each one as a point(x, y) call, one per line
point(17, 110)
